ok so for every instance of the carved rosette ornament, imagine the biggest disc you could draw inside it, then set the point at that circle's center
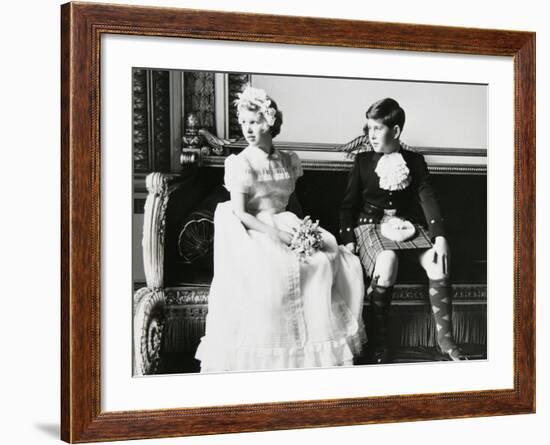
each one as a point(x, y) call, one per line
point(149, 323)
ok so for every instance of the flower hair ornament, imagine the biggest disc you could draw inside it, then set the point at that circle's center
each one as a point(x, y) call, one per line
point(257, 99)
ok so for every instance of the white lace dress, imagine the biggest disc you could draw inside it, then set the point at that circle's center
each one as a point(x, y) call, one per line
point(266, 309)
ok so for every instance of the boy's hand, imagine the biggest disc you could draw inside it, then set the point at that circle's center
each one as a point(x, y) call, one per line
point(442, 254)
point(351, 247)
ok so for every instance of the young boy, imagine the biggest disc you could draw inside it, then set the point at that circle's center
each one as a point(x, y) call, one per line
point(384, 187)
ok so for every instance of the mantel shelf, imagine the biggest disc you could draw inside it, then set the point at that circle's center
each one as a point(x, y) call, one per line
point(474, 168)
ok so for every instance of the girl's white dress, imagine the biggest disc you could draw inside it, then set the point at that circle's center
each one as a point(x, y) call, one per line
point(266, 309)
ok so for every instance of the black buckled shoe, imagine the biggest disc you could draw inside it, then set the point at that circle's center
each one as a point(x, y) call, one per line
point(380, 356)
point(454, 354)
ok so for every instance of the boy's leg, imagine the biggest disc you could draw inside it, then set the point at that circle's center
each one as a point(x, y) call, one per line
point(385, 273)
point(440, 294)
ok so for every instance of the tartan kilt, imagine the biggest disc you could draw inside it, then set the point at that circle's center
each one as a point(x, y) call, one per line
point(370, 242)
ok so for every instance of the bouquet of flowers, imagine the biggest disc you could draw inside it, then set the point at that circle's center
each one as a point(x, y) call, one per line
point(306, 239)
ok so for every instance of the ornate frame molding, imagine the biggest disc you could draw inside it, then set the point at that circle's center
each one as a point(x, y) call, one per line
point(82, 419)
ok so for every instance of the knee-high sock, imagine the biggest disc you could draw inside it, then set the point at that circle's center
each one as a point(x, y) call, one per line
point(442, 307)
point(380, 303)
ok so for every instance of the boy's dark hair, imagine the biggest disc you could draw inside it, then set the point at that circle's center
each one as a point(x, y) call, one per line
point(388, 111)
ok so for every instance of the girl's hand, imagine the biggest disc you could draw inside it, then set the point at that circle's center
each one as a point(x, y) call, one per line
point(284, 237)
point(442, 254)
point(351, 247)
point(279, 236)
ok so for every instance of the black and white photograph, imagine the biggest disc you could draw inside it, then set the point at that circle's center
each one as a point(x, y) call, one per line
point(286, 222)
point(180, 179)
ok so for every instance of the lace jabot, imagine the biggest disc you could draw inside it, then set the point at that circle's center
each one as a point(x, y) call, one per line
point(393, 172)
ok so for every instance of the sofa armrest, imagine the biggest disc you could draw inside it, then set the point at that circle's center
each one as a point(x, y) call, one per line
point(154, 223)
point(149, 301)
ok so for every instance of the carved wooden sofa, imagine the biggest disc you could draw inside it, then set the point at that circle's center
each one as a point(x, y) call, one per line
point(169, 313)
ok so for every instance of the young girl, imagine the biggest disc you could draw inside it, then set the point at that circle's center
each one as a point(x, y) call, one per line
point(266, 308)
point(383, 188)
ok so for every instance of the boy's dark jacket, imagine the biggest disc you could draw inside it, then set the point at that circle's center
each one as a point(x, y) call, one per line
point(364, 201)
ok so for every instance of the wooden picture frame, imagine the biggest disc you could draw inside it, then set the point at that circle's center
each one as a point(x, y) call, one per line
point(82, 26)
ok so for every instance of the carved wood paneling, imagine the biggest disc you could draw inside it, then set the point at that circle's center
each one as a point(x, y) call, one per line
point(160, 117)
point(151, 120)
point(236, 83)
point(199, 97)
point(140, 121)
